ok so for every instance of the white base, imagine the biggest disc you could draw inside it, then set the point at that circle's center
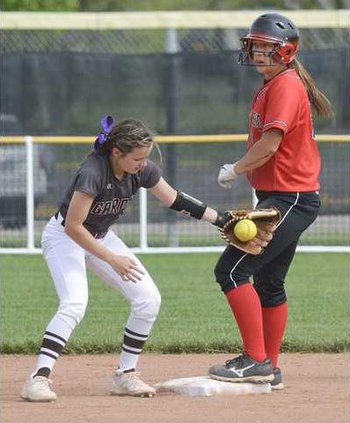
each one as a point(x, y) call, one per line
point(205, 386)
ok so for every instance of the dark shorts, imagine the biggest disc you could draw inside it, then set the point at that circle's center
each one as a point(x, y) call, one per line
point(269, 269)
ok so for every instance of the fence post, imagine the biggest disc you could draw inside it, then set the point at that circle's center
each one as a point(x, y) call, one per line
point(30, 192)
point(172, 105)
point(143, 219)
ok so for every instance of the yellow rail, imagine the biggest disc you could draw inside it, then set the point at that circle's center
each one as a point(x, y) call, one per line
point(161, 139)
point(165, 19)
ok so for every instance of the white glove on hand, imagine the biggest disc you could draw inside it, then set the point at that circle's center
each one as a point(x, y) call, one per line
point(227, 175)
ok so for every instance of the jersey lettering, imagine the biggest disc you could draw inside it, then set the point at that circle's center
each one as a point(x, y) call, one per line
point(256, 120)
point(114, 206)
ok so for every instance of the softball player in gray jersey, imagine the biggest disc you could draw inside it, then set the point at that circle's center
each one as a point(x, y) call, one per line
point(79, 236)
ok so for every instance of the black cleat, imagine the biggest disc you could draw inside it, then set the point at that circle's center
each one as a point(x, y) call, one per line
point(243, 369)
point(276, 383)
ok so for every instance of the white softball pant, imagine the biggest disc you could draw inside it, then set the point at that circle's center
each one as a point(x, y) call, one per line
point(67, 263)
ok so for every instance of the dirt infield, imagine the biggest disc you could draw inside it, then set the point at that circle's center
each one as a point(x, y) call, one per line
point(316, 390)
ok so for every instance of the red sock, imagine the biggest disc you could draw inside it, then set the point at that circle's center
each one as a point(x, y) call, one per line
point(246, 307)
point(275, 322)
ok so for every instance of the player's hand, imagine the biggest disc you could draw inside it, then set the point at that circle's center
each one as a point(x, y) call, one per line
point(128, 268)
point(227, 176)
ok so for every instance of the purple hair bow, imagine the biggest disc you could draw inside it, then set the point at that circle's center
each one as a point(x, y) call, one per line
point(107, 124)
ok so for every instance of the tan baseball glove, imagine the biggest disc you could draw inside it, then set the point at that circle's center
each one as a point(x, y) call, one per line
point(266, 221)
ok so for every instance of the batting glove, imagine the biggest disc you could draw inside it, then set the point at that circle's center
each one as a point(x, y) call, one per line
point(227, 175)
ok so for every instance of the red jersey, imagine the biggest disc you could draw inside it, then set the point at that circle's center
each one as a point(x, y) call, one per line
point(283, 103)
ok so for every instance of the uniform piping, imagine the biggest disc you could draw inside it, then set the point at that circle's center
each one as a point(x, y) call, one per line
point(245, 255)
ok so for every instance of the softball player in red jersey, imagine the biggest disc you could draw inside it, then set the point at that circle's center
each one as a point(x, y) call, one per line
point(282, 164)
point(79, 236)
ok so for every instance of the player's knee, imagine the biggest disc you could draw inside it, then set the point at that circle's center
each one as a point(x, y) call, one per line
point(229, 279)
point(147, 308)
point(271, 297)
point(72, 312)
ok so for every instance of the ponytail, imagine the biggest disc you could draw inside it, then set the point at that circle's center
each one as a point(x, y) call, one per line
point(318, 100)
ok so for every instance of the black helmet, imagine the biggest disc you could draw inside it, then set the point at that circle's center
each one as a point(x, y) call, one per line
point(276, 29)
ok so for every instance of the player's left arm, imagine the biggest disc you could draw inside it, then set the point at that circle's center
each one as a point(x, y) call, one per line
point(179, 201)
point(186, 204)
point(260, 152)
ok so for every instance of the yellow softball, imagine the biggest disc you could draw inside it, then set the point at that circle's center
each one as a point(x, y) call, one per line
point(245, 230)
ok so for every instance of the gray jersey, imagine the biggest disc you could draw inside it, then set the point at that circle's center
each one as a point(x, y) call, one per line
point(111, 196)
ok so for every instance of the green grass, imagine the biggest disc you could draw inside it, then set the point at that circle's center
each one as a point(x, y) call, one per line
point(157, 240)
point(194, 315)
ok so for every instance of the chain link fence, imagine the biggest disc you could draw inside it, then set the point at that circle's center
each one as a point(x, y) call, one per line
point(183, 81)
point(148, 41)
point(62, 82)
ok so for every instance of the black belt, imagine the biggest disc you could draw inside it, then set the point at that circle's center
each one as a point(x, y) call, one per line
point(97, 235)
point(285, 193)
point(57, 215)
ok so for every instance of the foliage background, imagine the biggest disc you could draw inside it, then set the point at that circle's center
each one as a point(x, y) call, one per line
point(142, 5)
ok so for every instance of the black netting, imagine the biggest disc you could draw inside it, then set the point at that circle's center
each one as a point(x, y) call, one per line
point(67, 93)
point(140, 41)
point(63, 82)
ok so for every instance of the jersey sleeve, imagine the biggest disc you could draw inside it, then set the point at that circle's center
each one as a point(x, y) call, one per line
point(283, 105)
point(150, 175)
point(88, 181)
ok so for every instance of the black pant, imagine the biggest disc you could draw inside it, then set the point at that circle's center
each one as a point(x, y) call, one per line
point(270, 268)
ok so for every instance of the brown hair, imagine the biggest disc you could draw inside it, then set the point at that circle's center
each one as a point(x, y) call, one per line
point(318, 100)
point(129, 134)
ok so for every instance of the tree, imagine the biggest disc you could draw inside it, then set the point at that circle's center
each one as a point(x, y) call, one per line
point(143, 5)
point(40, 5)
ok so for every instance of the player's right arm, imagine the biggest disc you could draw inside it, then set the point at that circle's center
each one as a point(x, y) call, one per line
point(77, 213)
point(182, 202)
point(260, 152)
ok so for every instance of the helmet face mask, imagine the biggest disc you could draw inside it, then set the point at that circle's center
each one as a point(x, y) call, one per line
point(276, 30)
point(248, 51)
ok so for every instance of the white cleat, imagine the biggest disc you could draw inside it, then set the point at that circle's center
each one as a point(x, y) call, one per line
point(130, 384)
point(38, 389)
